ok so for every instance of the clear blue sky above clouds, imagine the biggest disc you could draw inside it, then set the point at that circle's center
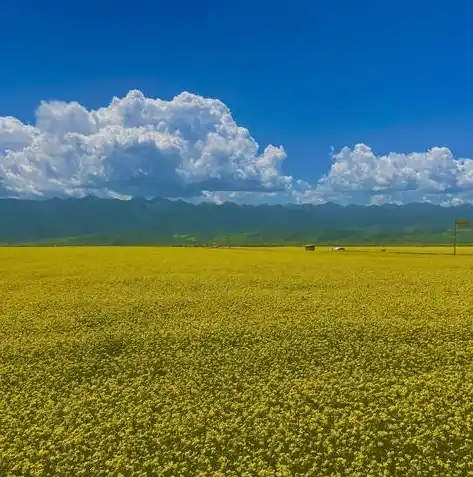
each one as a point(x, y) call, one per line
point(307, 75)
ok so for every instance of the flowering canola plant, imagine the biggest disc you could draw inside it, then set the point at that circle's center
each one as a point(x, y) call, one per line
point(235, 362)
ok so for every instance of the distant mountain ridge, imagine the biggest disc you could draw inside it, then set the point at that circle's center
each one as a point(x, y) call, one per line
point(160, 221)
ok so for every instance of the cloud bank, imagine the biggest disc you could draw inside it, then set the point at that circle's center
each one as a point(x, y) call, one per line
point(358, 176)
point(191, 147)
point(136, 146)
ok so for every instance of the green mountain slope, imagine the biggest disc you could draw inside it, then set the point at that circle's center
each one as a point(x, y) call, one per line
point(160, 221)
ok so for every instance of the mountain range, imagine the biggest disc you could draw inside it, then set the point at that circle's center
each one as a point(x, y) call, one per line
point(160, 221)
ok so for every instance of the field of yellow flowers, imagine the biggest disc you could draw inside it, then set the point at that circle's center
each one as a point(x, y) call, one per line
point(235, 362)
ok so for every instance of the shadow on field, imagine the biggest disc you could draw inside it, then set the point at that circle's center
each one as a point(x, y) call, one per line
point(262, 248)
point(413, 252)
point(408, 252)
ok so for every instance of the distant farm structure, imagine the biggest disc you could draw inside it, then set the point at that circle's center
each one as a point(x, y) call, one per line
point(309, 248)
point(338, 249)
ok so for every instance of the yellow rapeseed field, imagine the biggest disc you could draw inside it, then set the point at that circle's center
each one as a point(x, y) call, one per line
point(235, 362)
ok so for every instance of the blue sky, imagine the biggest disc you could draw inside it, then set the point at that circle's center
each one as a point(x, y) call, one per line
point(394, 75)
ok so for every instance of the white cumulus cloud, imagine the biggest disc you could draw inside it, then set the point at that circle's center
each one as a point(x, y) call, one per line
point(358, 175)
point(136, 146)
point(191, 147)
